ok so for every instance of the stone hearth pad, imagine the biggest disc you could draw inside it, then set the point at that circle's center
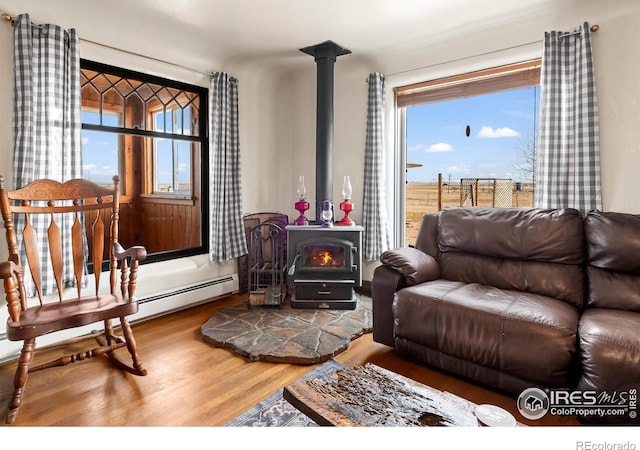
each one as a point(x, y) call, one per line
point(289, 335)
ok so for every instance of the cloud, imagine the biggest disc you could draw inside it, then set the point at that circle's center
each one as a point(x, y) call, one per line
point(434, 148)
point(489, 132)
point(440, 147)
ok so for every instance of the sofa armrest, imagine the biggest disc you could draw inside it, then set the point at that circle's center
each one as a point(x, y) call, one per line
point(415, 265)
point(385, 283)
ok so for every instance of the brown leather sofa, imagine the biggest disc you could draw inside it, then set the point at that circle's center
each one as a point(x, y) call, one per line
point(517, 298)
point(609, 327)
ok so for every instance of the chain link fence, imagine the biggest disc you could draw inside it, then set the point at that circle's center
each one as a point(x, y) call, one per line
point(490, 192)
point(424, 197)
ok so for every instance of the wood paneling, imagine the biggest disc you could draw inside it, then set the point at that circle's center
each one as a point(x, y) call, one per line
point(170, 225)
point(158, 226)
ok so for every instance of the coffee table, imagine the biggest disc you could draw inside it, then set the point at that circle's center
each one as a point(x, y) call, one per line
point(369, 395)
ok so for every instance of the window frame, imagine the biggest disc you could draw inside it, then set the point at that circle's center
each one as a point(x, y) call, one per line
point(147, 177)
point(519, 75)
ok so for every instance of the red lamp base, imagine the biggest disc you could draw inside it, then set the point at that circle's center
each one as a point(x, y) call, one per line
point(346, 206)
point(301, 206)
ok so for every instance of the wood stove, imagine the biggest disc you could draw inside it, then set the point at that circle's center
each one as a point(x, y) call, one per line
point(324, 261)
point(324, 266)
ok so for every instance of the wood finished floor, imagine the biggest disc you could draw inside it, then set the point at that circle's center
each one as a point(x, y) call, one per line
point(192, 383)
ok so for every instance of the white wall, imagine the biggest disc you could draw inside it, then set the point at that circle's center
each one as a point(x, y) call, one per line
point(616, 60)
point(277, 109)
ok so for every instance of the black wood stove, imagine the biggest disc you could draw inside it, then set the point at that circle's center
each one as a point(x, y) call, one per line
point(324, 261)
point(324, 266)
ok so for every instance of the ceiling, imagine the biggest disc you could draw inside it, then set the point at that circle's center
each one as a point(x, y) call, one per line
point(211, 34)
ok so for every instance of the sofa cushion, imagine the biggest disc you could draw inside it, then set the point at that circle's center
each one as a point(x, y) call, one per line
point(609, 346)
point(527, 335)
point(530, 250)
point(613, 246)
point(427, 239)
point(610, 359)
point(560, 281)
point(415, 265)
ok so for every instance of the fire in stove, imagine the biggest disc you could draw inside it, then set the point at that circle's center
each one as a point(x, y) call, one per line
point(324, 259)
point(320, 255)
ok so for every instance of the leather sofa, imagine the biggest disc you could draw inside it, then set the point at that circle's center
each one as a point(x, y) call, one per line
point(517, 298)
point(609, 326)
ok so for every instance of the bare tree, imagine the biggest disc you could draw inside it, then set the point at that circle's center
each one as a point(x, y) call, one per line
point(525, 164)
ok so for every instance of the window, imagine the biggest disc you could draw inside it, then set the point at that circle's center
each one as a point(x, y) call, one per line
point(152, 133)
point(467, 140)
point(171, 157)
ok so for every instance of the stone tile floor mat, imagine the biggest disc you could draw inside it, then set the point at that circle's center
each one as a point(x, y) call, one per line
point(288, 335)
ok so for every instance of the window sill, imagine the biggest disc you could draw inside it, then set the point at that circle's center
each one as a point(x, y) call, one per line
point(166, 198)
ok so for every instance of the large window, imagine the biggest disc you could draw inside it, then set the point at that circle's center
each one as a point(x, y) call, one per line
point(467, 140)
point(152, 133)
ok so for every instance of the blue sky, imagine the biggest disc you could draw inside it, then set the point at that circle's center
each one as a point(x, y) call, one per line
point(100, 152)
point(501, 125)
point(100, 156)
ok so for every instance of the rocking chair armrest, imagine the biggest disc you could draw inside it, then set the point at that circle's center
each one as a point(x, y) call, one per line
point(136, 252)
point(11, 273)
point(8, 269)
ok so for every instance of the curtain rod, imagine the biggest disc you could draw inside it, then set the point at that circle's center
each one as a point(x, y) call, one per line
point(13, 19)
point(593, 29)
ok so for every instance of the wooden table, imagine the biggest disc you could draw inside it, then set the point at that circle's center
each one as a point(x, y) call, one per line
point(372, 396)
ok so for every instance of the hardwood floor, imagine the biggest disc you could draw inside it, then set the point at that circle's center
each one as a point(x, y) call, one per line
point(192, 383)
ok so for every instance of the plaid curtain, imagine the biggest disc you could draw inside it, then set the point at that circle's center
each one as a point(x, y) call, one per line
point(47, 124)
point(568, 159)
point(374, 214)
point(227, 238)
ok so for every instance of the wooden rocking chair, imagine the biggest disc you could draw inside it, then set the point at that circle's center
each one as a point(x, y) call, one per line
point(29, 318)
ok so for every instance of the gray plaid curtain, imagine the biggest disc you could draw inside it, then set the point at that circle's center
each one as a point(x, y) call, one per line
point(47, 124)
point(227, 238)
point(568, 155)
point(374, 214)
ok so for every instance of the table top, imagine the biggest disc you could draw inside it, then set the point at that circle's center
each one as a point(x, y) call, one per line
point(315, 227)
point(372, 396)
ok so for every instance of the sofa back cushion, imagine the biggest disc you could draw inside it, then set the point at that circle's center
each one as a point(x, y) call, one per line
point(427, 239)
point(539, 251)
point(613, 252)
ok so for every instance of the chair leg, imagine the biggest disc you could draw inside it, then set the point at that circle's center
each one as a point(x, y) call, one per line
point(109, 338)
point(20, 379)
point(132, 347)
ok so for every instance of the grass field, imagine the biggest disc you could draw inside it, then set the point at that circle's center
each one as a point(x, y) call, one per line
point(423, 198)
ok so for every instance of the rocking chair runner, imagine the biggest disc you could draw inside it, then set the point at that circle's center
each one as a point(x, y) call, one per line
point(30, 318)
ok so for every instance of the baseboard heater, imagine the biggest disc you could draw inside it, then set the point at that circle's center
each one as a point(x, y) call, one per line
point(185, 297)
point(185, 290)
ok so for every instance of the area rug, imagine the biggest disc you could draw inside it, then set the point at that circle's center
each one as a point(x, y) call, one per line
point(275, 411)
point(286, 334)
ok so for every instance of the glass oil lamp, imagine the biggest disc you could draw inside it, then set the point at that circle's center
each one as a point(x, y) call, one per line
point(346, 206)
point(302, 204)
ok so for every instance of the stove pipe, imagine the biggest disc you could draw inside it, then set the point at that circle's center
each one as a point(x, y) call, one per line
point(325, 55)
